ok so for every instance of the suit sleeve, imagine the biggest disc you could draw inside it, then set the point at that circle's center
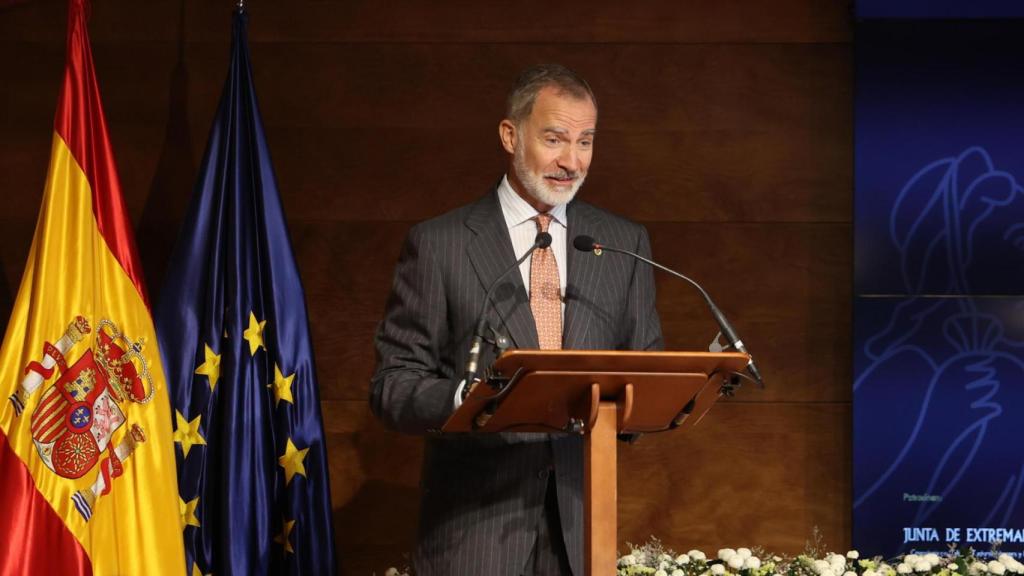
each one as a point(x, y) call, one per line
point(642, 325)
point(409, 391)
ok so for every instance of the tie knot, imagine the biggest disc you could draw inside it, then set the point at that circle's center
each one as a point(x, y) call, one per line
point(543, 221)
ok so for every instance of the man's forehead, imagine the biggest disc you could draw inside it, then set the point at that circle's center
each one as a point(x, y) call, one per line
point(554, 109)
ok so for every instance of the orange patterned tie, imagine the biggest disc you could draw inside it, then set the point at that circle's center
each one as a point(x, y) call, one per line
point(545, 294)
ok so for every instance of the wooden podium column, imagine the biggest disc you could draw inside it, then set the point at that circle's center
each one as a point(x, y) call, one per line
point(600, 497)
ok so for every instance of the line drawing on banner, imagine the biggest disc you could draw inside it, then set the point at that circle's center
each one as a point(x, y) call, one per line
point(958, 229)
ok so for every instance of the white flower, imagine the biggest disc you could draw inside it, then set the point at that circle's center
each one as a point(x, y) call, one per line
point(869, 573)
point(996, 567)
point(725, 553)
point(735, 562)
point(696, 555)
point(933, 559)
point(718, 569)
point(820, 566)
point(911, 558)
point(744, 552)
point(849, 573)
point(977, 568)
point(752, 563)
point(853, 554)
point(678, 572)
point(922, 566)
point(682, 559)
point(628, 560)
point(661, 573)
point(903, 568)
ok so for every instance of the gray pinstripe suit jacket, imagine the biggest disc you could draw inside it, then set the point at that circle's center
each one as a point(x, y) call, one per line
point(482, 495)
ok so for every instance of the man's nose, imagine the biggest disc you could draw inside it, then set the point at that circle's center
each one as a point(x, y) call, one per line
point(569, 159)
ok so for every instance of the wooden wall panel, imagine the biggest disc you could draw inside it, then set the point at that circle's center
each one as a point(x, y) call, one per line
point(725, 127)
point(768, 141)
point(750, 475)
point(460, 21)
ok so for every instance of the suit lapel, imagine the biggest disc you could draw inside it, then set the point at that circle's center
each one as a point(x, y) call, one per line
point(491, 254)
point(584, 272)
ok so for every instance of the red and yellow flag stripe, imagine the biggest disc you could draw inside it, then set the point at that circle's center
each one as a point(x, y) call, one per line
point(121, 515)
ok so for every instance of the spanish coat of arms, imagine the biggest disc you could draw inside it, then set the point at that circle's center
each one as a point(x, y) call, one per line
point(74, 423)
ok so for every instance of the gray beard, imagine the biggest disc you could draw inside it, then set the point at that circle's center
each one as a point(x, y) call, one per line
point(541, 190)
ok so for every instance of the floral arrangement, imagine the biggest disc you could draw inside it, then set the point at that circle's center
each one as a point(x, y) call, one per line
point(653, 559)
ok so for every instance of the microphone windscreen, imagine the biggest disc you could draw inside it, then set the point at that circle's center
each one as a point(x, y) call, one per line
point(583, 243)
point(543, 240)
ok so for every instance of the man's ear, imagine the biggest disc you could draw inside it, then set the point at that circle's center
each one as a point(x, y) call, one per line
point(508, 134)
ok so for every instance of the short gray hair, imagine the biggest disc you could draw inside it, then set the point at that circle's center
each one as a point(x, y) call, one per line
point(531, 81)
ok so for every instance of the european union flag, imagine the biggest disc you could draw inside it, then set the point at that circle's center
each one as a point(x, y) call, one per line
point(232, 325)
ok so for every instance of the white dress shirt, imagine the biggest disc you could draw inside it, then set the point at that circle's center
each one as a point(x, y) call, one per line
point(522, 228)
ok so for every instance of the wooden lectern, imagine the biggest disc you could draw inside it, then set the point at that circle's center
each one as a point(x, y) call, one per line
point(598, 394)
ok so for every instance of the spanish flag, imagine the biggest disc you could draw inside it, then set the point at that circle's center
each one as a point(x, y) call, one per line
point(87, 470)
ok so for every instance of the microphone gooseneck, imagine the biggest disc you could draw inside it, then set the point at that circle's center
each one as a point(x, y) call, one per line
point(542, 240)
point(588, 244)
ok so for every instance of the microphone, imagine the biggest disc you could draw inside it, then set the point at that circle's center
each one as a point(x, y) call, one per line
point(588, 244)
point(543, 240)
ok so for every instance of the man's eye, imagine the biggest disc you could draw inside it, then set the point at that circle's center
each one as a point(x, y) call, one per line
point(586, 143)
point(551, 140)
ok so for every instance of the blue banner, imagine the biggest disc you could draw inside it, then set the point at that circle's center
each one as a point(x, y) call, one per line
point(232, 324)
point(939, 287)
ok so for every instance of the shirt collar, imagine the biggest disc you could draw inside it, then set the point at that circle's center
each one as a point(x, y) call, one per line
point(518, 211)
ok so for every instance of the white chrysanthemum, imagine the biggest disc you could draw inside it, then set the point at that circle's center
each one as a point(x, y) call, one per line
point(718, 569)
point(752, 563)
point(735, 562)
point(996, 567)
point(744, 552)
point(922, 566)
point(820, 566)
point(853, 554)
point(661, 573)
point(977, 568)
point(682, 559)
point(849, 573)
point(678, 572)
point(628, 560)
point(697, 555)
point(911, 558)
point(869, 573)
point(903, 568)
point(933, 559)
point(725, 553)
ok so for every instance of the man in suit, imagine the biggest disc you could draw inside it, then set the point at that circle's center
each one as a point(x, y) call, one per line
point(511, 503)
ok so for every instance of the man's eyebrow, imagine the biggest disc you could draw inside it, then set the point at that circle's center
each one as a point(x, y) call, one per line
point(563, 131)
